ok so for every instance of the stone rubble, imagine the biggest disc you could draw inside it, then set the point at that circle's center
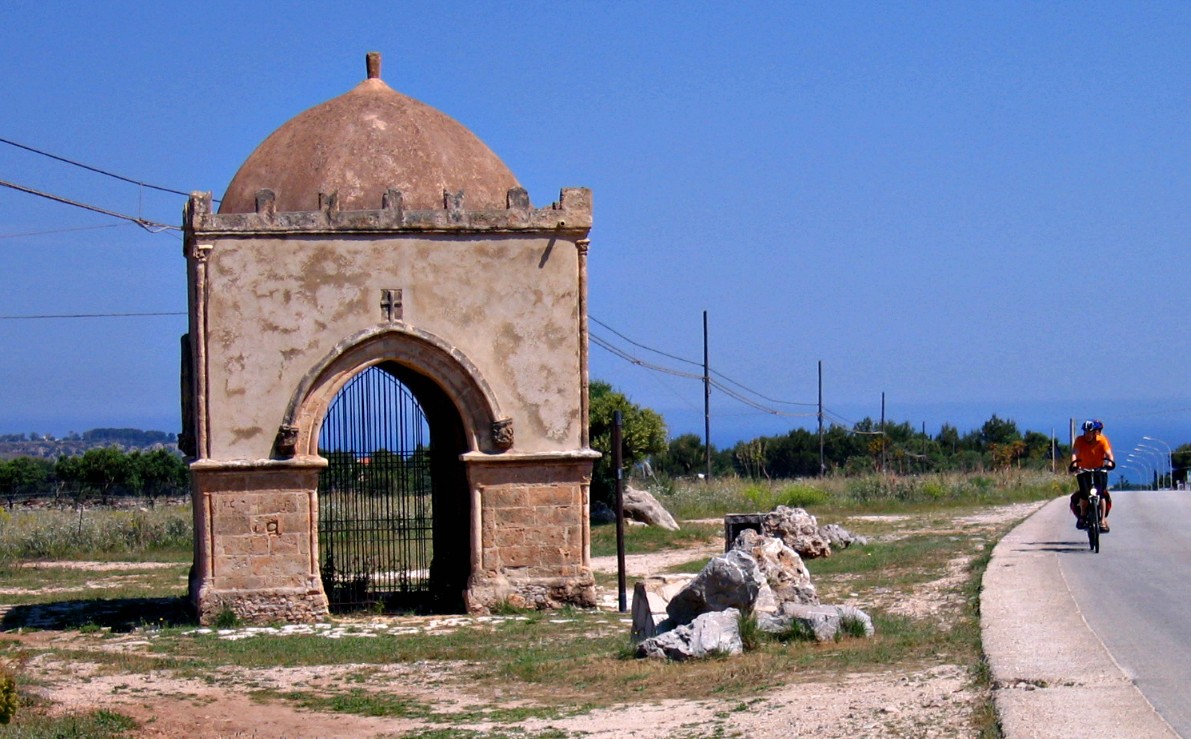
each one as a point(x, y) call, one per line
point(761, 575)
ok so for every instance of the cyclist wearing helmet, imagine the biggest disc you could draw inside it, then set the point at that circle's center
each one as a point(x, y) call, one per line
point(1091, 451)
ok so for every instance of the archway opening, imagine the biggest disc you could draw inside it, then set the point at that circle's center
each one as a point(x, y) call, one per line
point(394, 509)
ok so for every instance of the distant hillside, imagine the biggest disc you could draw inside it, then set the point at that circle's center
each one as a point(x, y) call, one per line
point(47, 446)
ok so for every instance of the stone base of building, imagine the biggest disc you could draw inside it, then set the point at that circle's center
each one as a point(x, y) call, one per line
point(256, 542)
point(259, 607)
point(486, 594)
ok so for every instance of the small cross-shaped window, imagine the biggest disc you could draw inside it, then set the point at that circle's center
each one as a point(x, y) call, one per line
point(390, 304)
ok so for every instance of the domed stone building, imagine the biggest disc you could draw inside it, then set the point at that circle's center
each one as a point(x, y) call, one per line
point(385, 377)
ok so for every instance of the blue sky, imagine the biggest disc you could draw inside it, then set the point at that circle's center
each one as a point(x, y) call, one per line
point(972, 208)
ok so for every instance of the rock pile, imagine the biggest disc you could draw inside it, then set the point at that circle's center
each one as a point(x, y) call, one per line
point(762, 575)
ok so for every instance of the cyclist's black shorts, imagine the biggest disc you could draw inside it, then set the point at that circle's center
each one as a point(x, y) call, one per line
point(1079, 495)
point(1085, 482)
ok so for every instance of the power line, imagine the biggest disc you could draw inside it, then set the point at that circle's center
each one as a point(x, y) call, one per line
point(632, 359)
point(605, 344)
point(150, 226)
point(96, 170)
point(59, 231)
point(725, 378)
point(88, 315)
point(642, 346)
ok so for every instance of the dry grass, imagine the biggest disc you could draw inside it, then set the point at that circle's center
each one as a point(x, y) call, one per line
point(533, 674)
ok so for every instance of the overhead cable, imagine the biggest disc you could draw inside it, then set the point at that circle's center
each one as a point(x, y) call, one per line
point(150, 226)
point(642, 346)
point(699, 364)
point(59, 231)
point(88, 315)
point(739, 397)
point(604, 344)
point(96, 170)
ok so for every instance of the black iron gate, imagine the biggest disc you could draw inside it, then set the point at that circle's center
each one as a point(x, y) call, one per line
point(376, 513)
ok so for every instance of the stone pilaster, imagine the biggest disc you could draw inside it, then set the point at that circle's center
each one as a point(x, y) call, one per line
point(256, 541)
point(533, 531)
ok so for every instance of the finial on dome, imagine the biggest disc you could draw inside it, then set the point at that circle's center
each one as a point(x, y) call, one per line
point(373, 62)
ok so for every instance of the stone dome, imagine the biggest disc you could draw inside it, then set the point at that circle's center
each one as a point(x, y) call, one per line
point(364, 142)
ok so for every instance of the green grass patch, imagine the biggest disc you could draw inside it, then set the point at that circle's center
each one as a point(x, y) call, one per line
point(904, 561)
point(692, 567)
point(649, 539)
point(842, 495)
point(49, 584)
point(362, 702)
point(164, 533)
point(355, 701)
point(798, 495)
point(32, 722)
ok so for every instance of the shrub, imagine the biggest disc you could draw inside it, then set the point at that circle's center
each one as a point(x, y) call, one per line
point(853, 627)
point(766, 497)
point(750, 633)
point(797, 631)
point(802, 496)
point(226, 619)
point(66, 534)
point(8, 695)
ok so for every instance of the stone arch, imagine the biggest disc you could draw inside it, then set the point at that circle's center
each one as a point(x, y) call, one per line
point(485, 427)
point(464, 417)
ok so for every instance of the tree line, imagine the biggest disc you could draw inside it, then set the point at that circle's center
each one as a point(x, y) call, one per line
point(866, 447)
point(101, 472)
point(124, 436)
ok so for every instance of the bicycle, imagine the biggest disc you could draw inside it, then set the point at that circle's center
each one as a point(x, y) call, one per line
point(1092, 515)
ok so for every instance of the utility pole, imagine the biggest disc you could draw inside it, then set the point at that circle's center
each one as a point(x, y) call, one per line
point(883, 432)
point(1054, 451)
point(822, 467)
point(618, 464)
point(924, 446)
point(706, 402)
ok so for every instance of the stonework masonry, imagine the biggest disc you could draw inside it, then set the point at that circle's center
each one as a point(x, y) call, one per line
point(477, 303)
point(258, 556)
point(283, 318)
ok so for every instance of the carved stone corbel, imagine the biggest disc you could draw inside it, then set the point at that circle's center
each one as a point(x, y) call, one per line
point(286, 444)
point(502, 433)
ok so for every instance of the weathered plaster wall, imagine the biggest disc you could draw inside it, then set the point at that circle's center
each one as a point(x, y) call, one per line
point(277, 307)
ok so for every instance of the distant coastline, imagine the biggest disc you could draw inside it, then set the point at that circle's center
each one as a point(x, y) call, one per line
point(1127, 421)
point(49, 446)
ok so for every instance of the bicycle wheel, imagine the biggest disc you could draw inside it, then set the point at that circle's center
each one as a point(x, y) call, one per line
point(1094, 534)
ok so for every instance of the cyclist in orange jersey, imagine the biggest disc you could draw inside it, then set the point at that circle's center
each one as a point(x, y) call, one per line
point(1091, 451)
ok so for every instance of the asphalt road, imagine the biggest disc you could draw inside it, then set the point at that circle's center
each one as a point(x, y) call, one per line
point(1136, 596)
point(1088, 645)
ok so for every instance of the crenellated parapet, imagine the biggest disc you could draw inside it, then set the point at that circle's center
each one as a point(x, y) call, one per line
point(571, 214)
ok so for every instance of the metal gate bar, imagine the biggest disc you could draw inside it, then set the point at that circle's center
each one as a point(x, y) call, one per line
point(375, 511)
